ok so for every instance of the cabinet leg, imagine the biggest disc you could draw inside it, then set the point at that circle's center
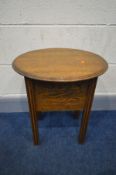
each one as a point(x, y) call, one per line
point(87, 109)
point(76, 114)
point(39, 115)
point(32, 108)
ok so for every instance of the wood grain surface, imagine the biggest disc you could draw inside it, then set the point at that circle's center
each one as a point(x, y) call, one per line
point(53, 96)
point(32, 109)
point(60, 65)
point(87, 108)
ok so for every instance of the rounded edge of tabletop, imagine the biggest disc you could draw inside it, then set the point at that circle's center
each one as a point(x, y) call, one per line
point(25, 74)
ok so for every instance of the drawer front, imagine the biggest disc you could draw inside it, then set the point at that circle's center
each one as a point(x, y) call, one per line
point(60, 96)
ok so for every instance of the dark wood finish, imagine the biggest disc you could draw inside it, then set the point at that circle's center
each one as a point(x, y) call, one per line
point(60, 79)
point(76, 114)
point(87, 109)
point(32, 108)
point(39, 115)
point(52, 96)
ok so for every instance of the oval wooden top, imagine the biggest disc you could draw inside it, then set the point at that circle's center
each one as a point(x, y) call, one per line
point(60, 65)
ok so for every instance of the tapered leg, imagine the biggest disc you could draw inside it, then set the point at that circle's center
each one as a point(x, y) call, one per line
point(39, 115)
point(87, 108)
point(32, 108)
point(76, 114)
